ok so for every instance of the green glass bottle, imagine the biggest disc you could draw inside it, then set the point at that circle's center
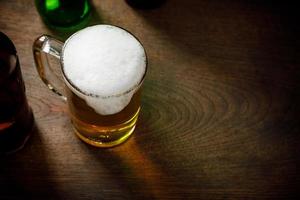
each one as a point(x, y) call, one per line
point(63, 13)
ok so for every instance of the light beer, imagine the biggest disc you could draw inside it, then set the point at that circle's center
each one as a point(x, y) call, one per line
point(103, 67)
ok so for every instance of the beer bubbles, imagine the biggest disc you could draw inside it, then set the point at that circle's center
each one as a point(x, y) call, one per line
point(104, 65)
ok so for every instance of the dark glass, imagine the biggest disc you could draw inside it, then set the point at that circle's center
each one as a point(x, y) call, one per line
point(63, 13)
point(16, 119)
point(145, 4)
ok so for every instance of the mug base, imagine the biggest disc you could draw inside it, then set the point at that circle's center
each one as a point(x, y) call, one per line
point(105, 136)
point(104, 144)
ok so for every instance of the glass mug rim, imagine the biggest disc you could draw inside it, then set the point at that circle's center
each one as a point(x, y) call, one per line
point(69, 83)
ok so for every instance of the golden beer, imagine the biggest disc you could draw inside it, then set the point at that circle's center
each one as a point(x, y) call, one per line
point(102, 130)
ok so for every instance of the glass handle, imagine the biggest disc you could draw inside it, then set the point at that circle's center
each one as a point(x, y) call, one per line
point(42, 47)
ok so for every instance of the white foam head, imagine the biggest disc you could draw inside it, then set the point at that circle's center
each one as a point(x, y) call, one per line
point(106, 65)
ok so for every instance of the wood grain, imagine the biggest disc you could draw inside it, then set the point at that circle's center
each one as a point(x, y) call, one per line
point(220, 108)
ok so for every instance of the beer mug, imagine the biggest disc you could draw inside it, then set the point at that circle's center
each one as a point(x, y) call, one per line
point(16, 118)
point(103, 68)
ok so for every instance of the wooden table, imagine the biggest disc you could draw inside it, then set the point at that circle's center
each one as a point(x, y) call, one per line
point(220, 108)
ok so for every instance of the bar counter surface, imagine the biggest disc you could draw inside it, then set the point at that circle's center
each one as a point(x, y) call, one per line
point(220, 107)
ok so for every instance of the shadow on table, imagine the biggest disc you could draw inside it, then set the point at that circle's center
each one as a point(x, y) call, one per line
point(25, 174)
point(244, 31)
point(229, 29)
